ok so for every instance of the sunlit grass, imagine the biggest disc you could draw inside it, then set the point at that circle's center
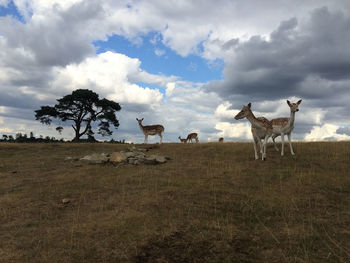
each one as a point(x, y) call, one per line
point(211, 203)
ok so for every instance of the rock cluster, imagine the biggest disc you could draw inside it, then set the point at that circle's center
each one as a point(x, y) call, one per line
point(132, 155)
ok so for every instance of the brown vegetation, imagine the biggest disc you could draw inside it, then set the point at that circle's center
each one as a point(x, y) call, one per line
point(211, 203)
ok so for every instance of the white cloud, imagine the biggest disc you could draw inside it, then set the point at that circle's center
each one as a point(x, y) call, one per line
point(159, 52)
point(234, 130)
point(109, 74)
point(6, 130)
point(4, 2)
point(37, 9)
point(326, 131)
point(170, 88)
point(223, 111)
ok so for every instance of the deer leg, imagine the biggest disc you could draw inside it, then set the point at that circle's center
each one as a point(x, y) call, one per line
point(282, 139)
point(161, 137)
point(255, 150)
point(264, 154)
point(146, 138)
point(255, 143)
point(290, 144)
point(274, 143)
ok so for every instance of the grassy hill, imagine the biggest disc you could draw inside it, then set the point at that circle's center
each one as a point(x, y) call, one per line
point(211, 203)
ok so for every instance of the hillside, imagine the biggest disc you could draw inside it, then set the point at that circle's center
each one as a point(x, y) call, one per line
point(210, 203)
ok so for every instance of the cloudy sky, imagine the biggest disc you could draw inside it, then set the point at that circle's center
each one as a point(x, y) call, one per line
point(189, 65)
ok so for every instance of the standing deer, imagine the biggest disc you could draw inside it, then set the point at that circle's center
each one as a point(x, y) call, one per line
point(282, 126)
point(183, 140)
point(151, 130)
point(192, 136)
point(261, 128)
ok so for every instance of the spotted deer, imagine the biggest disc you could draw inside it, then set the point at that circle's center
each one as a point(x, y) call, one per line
point(261, 129)
point(184, 140)
point(151, 130)
point(282, 126)
point(256, 137)
point(192, 136)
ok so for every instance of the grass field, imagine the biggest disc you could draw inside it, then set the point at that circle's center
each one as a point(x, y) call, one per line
point(211, 203)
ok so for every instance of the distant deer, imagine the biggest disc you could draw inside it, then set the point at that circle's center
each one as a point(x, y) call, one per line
point(261, 128)
point(192, 136)
point(221, 139)
point(151, 130)
point(183, 140)
point(282, 126)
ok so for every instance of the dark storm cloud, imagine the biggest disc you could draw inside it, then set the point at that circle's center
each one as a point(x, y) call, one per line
point(297, 60)
point(18, 100)
point(345, 130)
point(57, 41)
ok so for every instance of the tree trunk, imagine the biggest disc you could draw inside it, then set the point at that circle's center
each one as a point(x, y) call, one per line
point(77, 132)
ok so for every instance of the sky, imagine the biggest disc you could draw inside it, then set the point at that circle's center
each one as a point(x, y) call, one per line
point(189, 65)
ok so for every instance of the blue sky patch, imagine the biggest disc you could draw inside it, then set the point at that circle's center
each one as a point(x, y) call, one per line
point(159, 59)
point(11, 10)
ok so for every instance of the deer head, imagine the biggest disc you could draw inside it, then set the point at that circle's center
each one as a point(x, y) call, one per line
point(294, 107)
point(244, 112)
point(139, 121)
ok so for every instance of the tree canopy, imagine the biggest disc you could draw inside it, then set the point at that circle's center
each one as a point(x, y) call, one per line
point(82, 107)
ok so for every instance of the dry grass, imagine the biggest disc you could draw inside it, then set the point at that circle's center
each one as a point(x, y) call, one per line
point(211, 203)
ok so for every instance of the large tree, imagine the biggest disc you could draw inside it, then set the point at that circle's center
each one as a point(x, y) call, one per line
point(82, 107)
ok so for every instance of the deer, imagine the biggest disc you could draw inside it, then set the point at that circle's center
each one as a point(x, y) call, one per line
point(221, 139)
point(192, 136)
point(282, 126)
point(261, 129)
point(183, 140)
point(256, 137)
point(151, 130)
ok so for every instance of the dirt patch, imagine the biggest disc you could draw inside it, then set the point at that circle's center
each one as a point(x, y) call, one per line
point(182, 246)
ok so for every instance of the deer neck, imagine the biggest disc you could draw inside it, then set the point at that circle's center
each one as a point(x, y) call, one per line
point(254, 121)
point(291, 119)
point(142, 128)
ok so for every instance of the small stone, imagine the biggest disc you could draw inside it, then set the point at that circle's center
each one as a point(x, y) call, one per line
point(70, 159)
point(160, 159)
point(132, 160)
point(65, 201)
point(155, 159)
point(118, 157)
point(129, 154)
point(96, 158)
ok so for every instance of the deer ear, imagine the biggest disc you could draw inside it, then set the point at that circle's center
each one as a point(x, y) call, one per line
point(288, 102)
point(142, 119)
point(249, 105)
point(299, 102)
point(137, 119)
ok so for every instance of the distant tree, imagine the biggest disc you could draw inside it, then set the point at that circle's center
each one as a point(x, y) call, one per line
point(4, 137)
point(59, 129)
point(32, 137)
point(82, 107)
point(11, 139)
